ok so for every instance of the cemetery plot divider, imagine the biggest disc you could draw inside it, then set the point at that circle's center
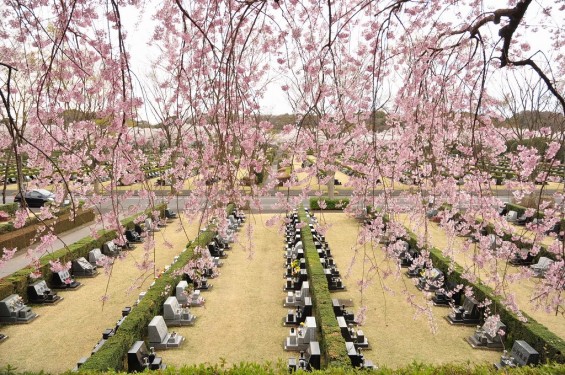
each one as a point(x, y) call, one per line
point(21, 238)
point(331, 204)
point(543, 252)
point(334, 353)
point(18, 281)
point(550, 346)
point(10, 208)
point(9, 227)
point(111, 355)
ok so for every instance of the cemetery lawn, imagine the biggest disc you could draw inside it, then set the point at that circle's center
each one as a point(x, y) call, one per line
point(243, 314)
point(67, 331)
point(523, 289)
point(397, 332)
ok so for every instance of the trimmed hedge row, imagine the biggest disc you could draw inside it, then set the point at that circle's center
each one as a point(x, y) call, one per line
point(19, 280)
point(10, 208)
point(9, 227)
point(331, 204)
point(111, 355)
point(332, 343)
point(550, 346)
point(249, 368)
point(22, 237)
point(543, 252)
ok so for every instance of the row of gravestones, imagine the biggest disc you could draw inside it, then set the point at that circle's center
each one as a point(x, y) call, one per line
point(355, 340)
point(176, 309)
point(302, 337)
point(111, 249)
point(465, 311)
point(13, 310)
point(524, 257)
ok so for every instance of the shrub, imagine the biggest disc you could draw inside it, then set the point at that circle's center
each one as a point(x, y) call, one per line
point(24, 237)
point(331, 204)
point(10, 208)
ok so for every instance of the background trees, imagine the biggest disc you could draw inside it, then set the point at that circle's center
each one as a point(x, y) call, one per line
point(433, 68)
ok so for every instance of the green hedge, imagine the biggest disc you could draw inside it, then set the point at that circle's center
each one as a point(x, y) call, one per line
point(20, 279)
point(111, 354)
point(9, 227)
point(543, 252)
point(550, 346)
point(250, 368)
point(10, 208)
point(22, 237)
point(331, 204)
point(332, 343)
point(247, 368)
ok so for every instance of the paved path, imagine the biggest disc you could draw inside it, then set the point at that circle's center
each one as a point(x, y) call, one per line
point(22, 258)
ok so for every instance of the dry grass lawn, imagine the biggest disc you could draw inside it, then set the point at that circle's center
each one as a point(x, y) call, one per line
point(396, 331)
point(67, 331)
point(523, 290)
point(243, 314)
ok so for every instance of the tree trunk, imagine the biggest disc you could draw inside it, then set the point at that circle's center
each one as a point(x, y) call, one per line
point(97, 186)
point(331, 185)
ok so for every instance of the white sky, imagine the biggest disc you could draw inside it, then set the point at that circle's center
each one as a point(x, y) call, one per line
point(275, 101)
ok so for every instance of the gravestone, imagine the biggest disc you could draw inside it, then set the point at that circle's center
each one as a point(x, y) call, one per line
point(351, 334)
point(38, 292)
point(522, 354)
point(150, 226)
point(307, 361)
point(357, 358)
point(83, 268)
point(541, 267)
point(334, 282)
point(467, 314)
point(511, 216)
point(94, 256)
point(340, 310)
point(488, 336)
point(98, 345)
point(159, 336)
point(432, 280)
point(14, 311)
point(79, 364)
point(176, 315)
point(140, 359)
point(522, 257)
point(140, 297)
point(170, 214)
point(296, 298)
point(63, 280)
point(110, 249)
point(300, 337)
point(446, 296)
point(132, 236)
point(181, 292)
point(299, 314)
